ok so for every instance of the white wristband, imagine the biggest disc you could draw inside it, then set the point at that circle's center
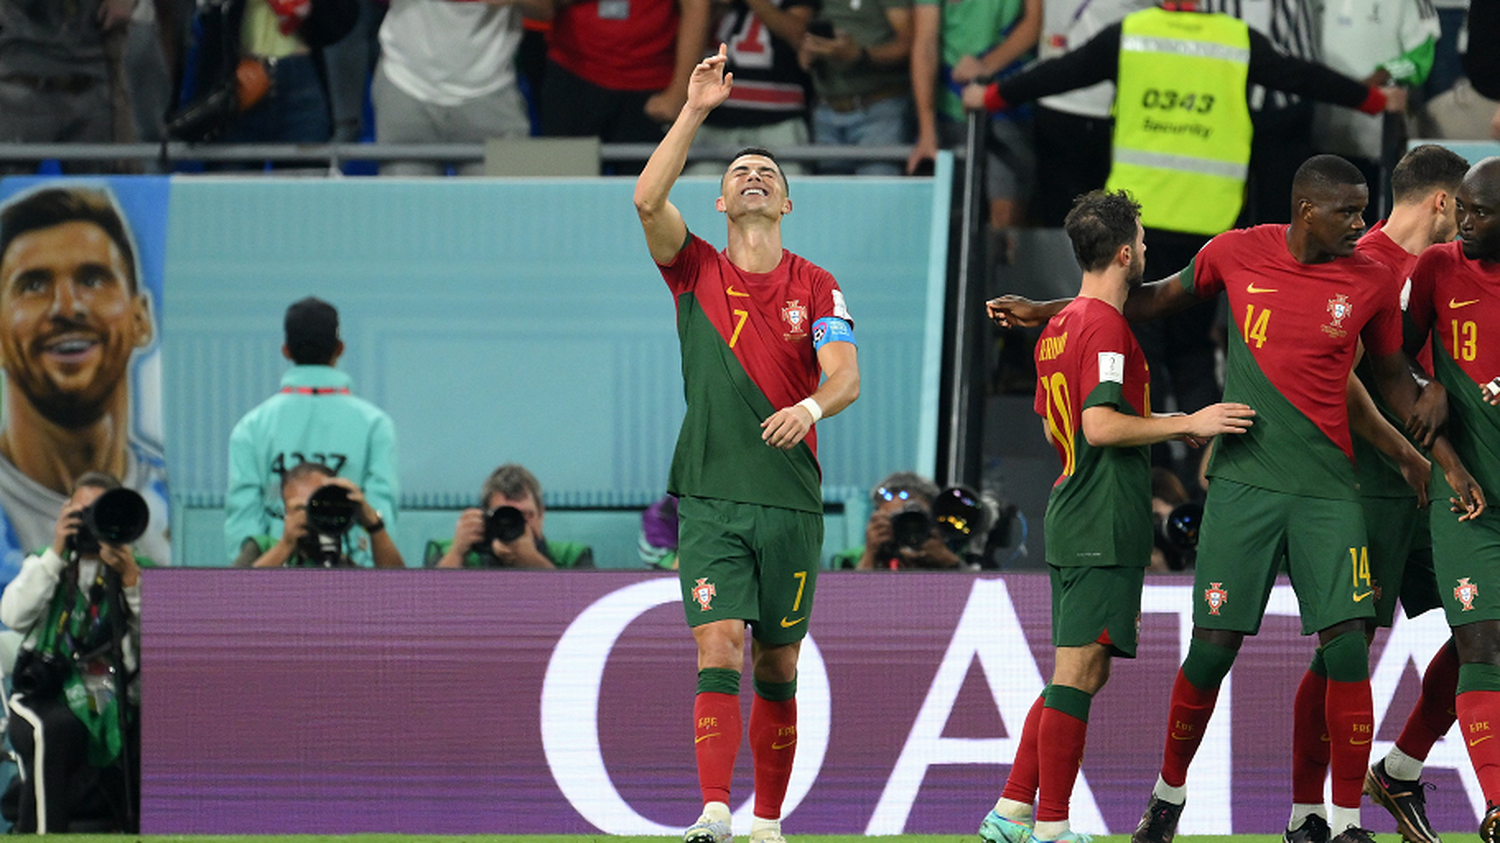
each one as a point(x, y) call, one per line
point(812, 408)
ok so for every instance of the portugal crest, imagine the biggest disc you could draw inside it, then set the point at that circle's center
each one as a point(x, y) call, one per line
point(1216, 596)
point(703, 592)
point(795, 317)
point(1465, 593)
point(1339, 309)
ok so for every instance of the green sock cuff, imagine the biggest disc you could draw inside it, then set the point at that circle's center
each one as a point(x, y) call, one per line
point(1347, 657)
point(1069, 700)
point(1207, 664)
point(718, 680)
point(1317, 667)
point(775, 691)
point(1478, 677)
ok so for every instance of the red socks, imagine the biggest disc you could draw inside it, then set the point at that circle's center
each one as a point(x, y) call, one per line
point(1058, 759)
point(1479, 715)
point(1021, 784)
point(1435, 709)
point(716, 735)
point(773, 742)
point(1310, 743)
point(1187, 719)
point(1350, 715)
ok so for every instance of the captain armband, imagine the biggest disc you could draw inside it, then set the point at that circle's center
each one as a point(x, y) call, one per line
point(831, 329)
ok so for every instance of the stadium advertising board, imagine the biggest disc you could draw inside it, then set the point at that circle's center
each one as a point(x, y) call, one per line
point(465, 702)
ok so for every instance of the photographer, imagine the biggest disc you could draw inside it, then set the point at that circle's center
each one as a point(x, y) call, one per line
point(78, 603)
point(321, 509)
point(507, 533)
point(894, 535)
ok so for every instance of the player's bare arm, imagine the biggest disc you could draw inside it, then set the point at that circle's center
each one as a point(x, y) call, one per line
point(666, 232)
point(1105, 426)
point(1430, 414)
point(1468, 498)
point(789, 425)
point(1146, 302)
point(1366, 422)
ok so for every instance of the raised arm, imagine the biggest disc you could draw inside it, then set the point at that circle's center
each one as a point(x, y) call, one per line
point(1146, 302)
point(1104, 426)
point(665, 230)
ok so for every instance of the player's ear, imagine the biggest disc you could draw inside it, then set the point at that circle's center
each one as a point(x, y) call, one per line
point(1124, 254)
point(1440, 201)
point(141, 314)
point(787, 207)
point(719, 204)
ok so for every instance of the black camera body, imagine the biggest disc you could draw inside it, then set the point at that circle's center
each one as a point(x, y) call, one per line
point(39, 674)
point(911, 525)
point(502, 524)
point(118, 516)
point(330, 515)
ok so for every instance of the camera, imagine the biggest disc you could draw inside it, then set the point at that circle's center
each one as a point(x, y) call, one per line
point(330, 514)
point(119, 516)
point(1177, 534)
point(911, 525)
point(504, 524)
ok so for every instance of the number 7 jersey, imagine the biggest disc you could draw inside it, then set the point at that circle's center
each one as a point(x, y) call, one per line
point(1099, 511)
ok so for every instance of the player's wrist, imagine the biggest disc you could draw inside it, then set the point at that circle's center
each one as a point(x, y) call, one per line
point(812, 408)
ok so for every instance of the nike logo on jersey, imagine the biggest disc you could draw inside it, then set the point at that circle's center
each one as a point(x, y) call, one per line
point(1455, 304)
point(1251, 288)
point(785, 624)
point(1359, 597)
point(731, 291)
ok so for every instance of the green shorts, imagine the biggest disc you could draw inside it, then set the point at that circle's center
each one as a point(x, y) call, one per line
point(1248, 531)
point(1391, 526)
point(740, 561)
point(1465, 554)
point(1097, 605)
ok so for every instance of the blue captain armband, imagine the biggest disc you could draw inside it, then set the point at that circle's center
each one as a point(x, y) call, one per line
point(831, 329)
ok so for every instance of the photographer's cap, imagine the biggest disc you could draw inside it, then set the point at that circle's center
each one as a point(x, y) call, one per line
point(312, 329)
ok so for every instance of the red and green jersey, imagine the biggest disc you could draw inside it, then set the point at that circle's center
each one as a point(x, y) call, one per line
point(747, 351)
point(1378, 475)
point(1099, 512)
point(1296, 329)
point(1458, 300)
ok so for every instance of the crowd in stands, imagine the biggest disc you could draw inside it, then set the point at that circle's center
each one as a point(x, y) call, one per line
point(840, 72)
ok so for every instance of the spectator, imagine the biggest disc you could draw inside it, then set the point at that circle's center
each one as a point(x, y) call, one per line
point(315, 533)
point(975, 40)
point(447, 74)
point(349, 63)
point(862, 79)
point(75, 315)
point(507, 533)
point(618, 69)
point(279, 41)
point(1384, 44)
point(314, 418)
point(1482, 60)
point(768, 105)
point(54, 77)
point(78, 602)
point(894, 534)
point(658, 541)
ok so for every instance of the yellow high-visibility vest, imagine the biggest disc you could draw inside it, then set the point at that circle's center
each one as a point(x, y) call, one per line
point(1182, 126)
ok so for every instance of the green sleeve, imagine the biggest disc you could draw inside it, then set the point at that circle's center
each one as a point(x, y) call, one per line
point(848, 558)
point(1412, 67)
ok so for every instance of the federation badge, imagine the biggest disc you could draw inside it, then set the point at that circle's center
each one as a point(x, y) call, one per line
point(1216, 597)
point(1339, 309)
point(703, 592)
point(795, 316)
point(1465, 593)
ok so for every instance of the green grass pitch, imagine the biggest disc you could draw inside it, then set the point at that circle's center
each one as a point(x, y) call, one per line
point(588, 839)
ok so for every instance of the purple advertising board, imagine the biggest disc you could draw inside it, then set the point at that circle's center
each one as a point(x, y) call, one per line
point(467, 702)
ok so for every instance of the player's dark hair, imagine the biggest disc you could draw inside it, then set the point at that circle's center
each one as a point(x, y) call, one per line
point(97, 480)
point(1424, 169)
point(1099, 224)
point(762, 151)
point(57, 205)
point(1322, 173)
point(511, 481)
point(305, 469)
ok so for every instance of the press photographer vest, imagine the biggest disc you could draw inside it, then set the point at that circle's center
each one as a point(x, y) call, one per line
point(1182, 125)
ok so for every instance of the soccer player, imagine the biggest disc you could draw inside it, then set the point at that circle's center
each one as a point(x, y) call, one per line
point(757, 324)
point(1455, 292)
point(1302, 300)
point(1092, 391)
point(1423, 184)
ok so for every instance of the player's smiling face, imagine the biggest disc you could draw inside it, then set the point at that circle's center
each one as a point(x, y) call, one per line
point(69, 319)
point(1479, 217)
point(1335, 218)
point(754, 184)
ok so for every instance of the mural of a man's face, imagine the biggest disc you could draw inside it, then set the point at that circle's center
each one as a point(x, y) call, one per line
point(70, 317)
